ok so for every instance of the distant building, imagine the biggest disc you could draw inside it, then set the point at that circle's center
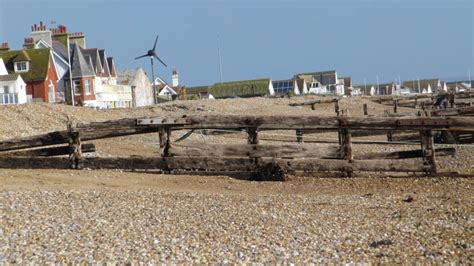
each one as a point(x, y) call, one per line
point(460, 86)
point(323, 82)
point(426, 85)
point(282, 87)
point(244, 88)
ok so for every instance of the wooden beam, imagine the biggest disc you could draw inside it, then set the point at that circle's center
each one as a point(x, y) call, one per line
point(428, 151)
point(404, 154)
point(312, 103)
point(255, 151)
point(48, 152)
point(252, 137)
point(207, 163)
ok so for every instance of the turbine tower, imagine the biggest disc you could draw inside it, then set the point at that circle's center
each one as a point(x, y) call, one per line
point(152, 54)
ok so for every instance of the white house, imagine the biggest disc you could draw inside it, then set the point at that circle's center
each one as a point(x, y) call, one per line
point(323, 82)
point(12, 87)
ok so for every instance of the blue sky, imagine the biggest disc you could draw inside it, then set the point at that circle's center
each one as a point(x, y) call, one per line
point(266, 38)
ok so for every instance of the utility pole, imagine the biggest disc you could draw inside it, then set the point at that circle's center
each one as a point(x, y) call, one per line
point(220, 60)
point(70, 71)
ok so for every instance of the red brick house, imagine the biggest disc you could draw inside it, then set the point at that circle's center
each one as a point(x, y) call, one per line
point(37, 69)
point(82, 76)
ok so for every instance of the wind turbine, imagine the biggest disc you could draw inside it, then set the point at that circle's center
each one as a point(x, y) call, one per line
point(152, 54)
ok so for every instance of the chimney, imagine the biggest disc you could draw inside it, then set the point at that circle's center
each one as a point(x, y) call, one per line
point(29, 43)
point(78, 38)
point(4, 46)
point(41, 33)
point(60, 30)
point(174, 78)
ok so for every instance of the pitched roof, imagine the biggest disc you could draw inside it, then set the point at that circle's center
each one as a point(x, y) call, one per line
point(39, 62)
point(22, 56)
point(245, 88)
point(300, 82)
point(93, 53)
point(9, 77)
point(79, 65)
point(324, 77)
point(103, 61)
point(111, 64)
point(60, 49)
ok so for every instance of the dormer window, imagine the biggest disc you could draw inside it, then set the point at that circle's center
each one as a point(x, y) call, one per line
point(21, 66)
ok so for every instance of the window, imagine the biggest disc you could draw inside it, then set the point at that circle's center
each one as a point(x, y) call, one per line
point(8, 95)
point(21, 66)
point(87, 86)
point(77, 87)
point(282, 87)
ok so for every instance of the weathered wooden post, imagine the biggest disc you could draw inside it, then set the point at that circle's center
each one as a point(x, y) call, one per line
point(428, 151)
point(299, 135)
point(389, 132)
point(75, 148)
point(313, 106)
point(346, 140)
point(364, 107)
point(165, 141)
point(395, 106)
point(416, 101)
point(451, 100)
point(252, 135)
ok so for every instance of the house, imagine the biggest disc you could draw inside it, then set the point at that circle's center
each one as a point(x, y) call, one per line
point(244, 88)
point(40, 38)
point(142, 91)
point(12, 87)
point(426, 85)
point(283, 87)
point(36, 68)
point(81, 78)
point(323, 82)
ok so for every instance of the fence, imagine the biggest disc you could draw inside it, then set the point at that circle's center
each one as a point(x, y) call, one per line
point(249, 158)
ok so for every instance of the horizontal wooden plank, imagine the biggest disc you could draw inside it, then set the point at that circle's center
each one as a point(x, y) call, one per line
point(207, 163)
point(52, 138)
point(254, 151)
point(404, 154)
point(332, 100)
point(52, 151)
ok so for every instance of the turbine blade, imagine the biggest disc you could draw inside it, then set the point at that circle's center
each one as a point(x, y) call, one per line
point(145, 55)
point(160, 60)
point(154, 46)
